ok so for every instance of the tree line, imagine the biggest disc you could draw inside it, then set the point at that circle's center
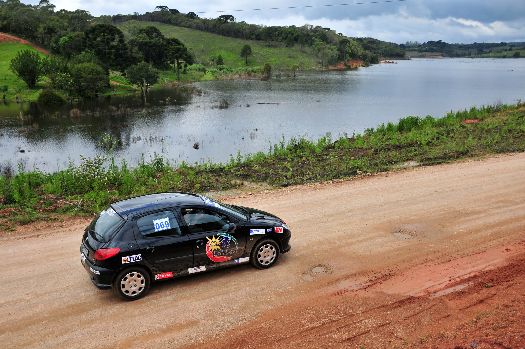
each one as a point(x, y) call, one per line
point(465, 50)
point(85, 53)
point(326, 42)
point(86, 48)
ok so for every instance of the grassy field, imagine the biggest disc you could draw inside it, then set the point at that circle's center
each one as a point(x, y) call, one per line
point(413, 141)
point(207, 45)
point(16, 86)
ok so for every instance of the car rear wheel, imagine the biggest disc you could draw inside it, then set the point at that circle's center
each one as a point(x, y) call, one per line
point(265, 254)
point(132, 283)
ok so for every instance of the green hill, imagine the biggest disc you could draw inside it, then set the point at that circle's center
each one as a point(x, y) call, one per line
point(206, 45)
point(8, 51)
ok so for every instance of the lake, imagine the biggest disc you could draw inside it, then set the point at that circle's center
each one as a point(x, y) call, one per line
point(258, 113)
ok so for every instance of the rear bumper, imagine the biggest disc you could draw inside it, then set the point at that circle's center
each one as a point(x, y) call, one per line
point(100, 277)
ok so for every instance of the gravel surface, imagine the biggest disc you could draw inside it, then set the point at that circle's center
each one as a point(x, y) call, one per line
point(357, 274)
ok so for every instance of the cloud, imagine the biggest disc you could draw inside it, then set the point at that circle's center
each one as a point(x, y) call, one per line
point(410, 20)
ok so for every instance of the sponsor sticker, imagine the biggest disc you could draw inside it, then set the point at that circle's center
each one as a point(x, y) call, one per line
point(257, 231)
point(161, 224)
point(197, 269)
point(279, 230)
point(162, 276)
point(96, 272)
point(242, 260)
point(132, 259)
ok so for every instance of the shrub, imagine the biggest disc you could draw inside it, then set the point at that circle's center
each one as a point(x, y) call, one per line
point(408, 123)
point(50, 99)
point(88, 79)
point(29, 66)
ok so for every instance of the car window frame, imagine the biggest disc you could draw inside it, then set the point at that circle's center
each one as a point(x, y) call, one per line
point(178, 219)
point(205, 207)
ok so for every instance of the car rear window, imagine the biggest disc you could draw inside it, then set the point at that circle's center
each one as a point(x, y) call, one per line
point(105, 225)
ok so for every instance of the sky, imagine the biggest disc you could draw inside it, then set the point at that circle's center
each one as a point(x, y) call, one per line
point(454, 21)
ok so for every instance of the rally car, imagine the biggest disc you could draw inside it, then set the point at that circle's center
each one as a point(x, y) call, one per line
point(162, 236)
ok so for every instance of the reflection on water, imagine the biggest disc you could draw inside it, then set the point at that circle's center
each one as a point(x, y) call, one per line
point(259, 113)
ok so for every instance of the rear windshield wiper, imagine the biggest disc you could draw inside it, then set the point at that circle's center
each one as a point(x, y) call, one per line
point(96, 236)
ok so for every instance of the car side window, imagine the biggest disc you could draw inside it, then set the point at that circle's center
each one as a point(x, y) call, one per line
point(201, 220)
point(159, 224)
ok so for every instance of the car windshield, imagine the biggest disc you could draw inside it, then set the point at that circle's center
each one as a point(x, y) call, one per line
point(227, 208)
point(105, 225)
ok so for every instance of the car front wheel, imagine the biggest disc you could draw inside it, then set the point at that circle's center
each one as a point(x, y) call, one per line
point(265, 254)
point(132, 283)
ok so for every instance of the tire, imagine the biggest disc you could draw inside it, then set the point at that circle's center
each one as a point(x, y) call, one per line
point(132, 283)
point(264, 254)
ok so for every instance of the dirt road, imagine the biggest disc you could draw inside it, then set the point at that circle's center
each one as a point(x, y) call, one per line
point(423, 257)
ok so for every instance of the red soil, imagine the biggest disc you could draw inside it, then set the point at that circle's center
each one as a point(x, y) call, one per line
point(11, 38)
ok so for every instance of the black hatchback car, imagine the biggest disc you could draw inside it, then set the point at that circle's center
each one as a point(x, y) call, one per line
point(162, 236)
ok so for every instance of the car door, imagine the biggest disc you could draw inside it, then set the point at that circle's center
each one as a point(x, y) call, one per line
point(215, 236)
point(163, 242)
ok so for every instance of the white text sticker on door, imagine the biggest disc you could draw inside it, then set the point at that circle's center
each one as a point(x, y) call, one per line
point(162, 224)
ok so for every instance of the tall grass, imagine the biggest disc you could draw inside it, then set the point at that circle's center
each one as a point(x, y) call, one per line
point(91, 186)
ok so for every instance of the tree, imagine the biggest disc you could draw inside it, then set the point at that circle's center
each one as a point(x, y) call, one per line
point(70, 44)
point(88, 79)
point(107, 43)
point(152, 44)
point(192, 15)
point(177, 54)
point(355, 50)
point(220, 60)
point(162, 8)
point(342, 48)
point(58, 71)
point(325, 52)
point(143, 75)
point(245, 52)
point(226, 18)
point(28, 65)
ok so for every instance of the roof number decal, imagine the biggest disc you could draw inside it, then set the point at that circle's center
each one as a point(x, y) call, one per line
point(161, 224)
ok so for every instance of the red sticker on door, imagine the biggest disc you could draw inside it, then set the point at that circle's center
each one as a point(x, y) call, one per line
point(161, 276)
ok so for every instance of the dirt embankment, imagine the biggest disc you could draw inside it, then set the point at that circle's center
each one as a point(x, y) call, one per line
point(4, 37)
point(426, 257)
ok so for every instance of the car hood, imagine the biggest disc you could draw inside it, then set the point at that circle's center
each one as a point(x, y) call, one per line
point(258, 216)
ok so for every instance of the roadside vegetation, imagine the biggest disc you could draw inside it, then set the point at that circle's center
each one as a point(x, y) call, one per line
point(88, 188)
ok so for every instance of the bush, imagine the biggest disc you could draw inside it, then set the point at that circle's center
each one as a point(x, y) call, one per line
point(267, 72)
point(50, 99)
point(408, 123)
point(88, 79)
point(28, 66)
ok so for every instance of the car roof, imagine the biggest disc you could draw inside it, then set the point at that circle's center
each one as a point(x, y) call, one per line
point(149, 202)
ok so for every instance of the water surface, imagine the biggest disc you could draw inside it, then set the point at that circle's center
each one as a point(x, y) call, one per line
point(260, 113)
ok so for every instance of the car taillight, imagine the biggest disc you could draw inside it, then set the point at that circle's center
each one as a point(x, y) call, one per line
point(105, 253)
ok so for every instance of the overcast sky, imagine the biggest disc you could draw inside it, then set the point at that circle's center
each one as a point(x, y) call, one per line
point(411, 20)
